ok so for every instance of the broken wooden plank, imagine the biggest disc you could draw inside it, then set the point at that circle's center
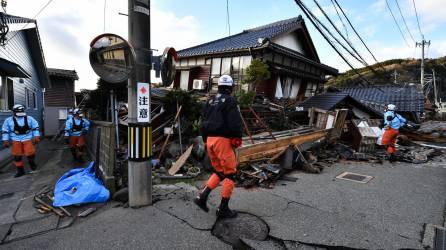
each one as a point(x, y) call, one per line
point(180, 162)
point(270, 148)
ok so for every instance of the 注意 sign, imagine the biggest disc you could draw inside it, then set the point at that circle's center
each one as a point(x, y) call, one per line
point(143, 102)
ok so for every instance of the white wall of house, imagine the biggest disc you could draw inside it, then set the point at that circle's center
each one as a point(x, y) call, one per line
point(184, 80)
point(290, 41)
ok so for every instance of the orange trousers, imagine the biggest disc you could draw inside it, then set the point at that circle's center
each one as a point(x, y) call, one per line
point(19, 149)
point(389, 139)
point(222, 156)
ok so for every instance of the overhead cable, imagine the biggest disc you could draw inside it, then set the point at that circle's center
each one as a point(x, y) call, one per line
point(354, 30)
point(310, 16)
point(397, 25)
point(404, 20)
point(418, 21)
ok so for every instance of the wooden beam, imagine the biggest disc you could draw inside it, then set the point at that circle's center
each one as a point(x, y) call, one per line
point(262, 150)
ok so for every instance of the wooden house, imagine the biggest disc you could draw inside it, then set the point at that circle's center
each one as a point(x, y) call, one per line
point(23, 72)
point(59, 97)
point(286, 46)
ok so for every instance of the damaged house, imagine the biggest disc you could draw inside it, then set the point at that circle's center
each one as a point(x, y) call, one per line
point(286, 46)
point(408, 99)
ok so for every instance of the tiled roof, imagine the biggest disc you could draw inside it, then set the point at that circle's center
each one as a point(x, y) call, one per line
point(406, 98)
point(329, 101)
point(244, 40)
point(326, 101)
point(71, 74)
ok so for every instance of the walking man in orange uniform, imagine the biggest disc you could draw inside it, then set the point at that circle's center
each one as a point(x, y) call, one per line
point(23, 131)
point(222, 131)
point(75, 129)
point(392, 123)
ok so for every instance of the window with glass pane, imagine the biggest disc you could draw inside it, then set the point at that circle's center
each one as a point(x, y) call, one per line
point(183, 62)
point(216, 66)
point(278, 58)
point(10, 93)
point(245, 61)
point(200, 61)
point(226, 66)
point(311, 88)
point(192, 61)
point(235, 70)
point(34, 100)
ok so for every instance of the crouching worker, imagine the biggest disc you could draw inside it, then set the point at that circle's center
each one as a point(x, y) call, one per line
point(392, 123)
point(75, 129)
point(222, 132)
point(23, 131)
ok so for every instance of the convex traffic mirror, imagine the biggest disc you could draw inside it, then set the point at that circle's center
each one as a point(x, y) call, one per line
point(168, 71)
point(112, 58)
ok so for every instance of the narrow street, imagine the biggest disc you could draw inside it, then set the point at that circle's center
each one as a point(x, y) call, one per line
point(389, 212)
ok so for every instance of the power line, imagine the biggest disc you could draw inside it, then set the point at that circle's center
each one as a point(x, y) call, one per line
point(340, 19)
point(404, 20)
point(357, 34)
point(334, 37)
point(227, 17)
point(418, 21)
point(310, 16)
point(397, 25)
point(34, 17)
point(105, 8)
point(346, 40)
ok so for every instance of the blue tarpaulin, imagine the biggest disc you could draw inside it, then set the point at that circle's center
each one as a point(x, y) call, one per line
point(79, 186)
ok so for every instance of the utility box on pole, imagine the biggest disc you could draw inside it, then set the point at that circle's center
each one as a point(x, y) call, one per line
point(139, 136)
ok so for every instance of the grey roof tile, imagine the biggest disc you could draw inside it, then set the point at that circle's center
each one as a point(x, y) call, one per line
point(406, 98)
point(244, 40)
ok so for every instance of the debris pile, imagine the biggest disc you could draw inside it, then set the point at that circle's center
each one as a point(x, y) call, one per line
point(431, 131)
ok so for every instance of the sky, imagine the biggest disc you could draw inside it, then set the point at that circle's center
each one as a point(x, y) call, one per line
point(67, 27)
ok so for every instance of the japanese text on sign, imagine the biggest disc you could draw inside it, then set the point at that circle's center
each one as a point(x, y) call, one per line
point(143, 102)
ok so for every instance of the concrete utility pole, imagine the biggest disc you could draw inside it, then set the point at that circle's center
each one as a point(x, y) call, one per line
point(395, 74)
point(140, 169)
point(423, 44)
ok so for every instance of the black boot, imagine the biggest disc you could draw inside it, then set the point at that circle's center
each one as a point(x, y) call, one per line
point(20, 172)
point(202, 198)
point(73, 152)
point(223, 211)
point(32, 163)
point(392, 158)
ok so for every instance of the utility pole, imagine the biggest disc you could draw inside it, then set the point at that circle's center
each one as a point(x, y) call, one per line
point(395, 74)
point(435, 87)
point(422, 44)
point(139, 167)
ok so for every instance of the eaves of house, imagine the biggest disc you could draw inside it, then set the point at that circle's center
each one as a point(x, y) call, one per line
point(261, 38)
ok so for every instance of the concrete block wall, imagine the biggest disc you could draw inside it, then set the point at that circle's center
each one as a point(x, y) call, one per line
point(105, 132)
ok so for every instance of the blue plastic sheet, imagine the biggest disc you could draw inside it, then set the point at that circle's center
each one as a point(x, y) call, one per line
point(79, 186)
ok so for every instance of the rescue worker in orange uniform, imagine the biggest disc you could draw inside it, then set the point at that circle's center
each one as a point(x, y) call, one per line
point(222, 131)
point(392, 123)
point(75, 129)
point(23, 131)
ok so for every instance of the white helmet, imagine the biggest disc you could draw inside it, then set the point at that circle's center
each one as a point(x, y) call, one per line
point(225, 80)
point(391, 107)
point(19, 110)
